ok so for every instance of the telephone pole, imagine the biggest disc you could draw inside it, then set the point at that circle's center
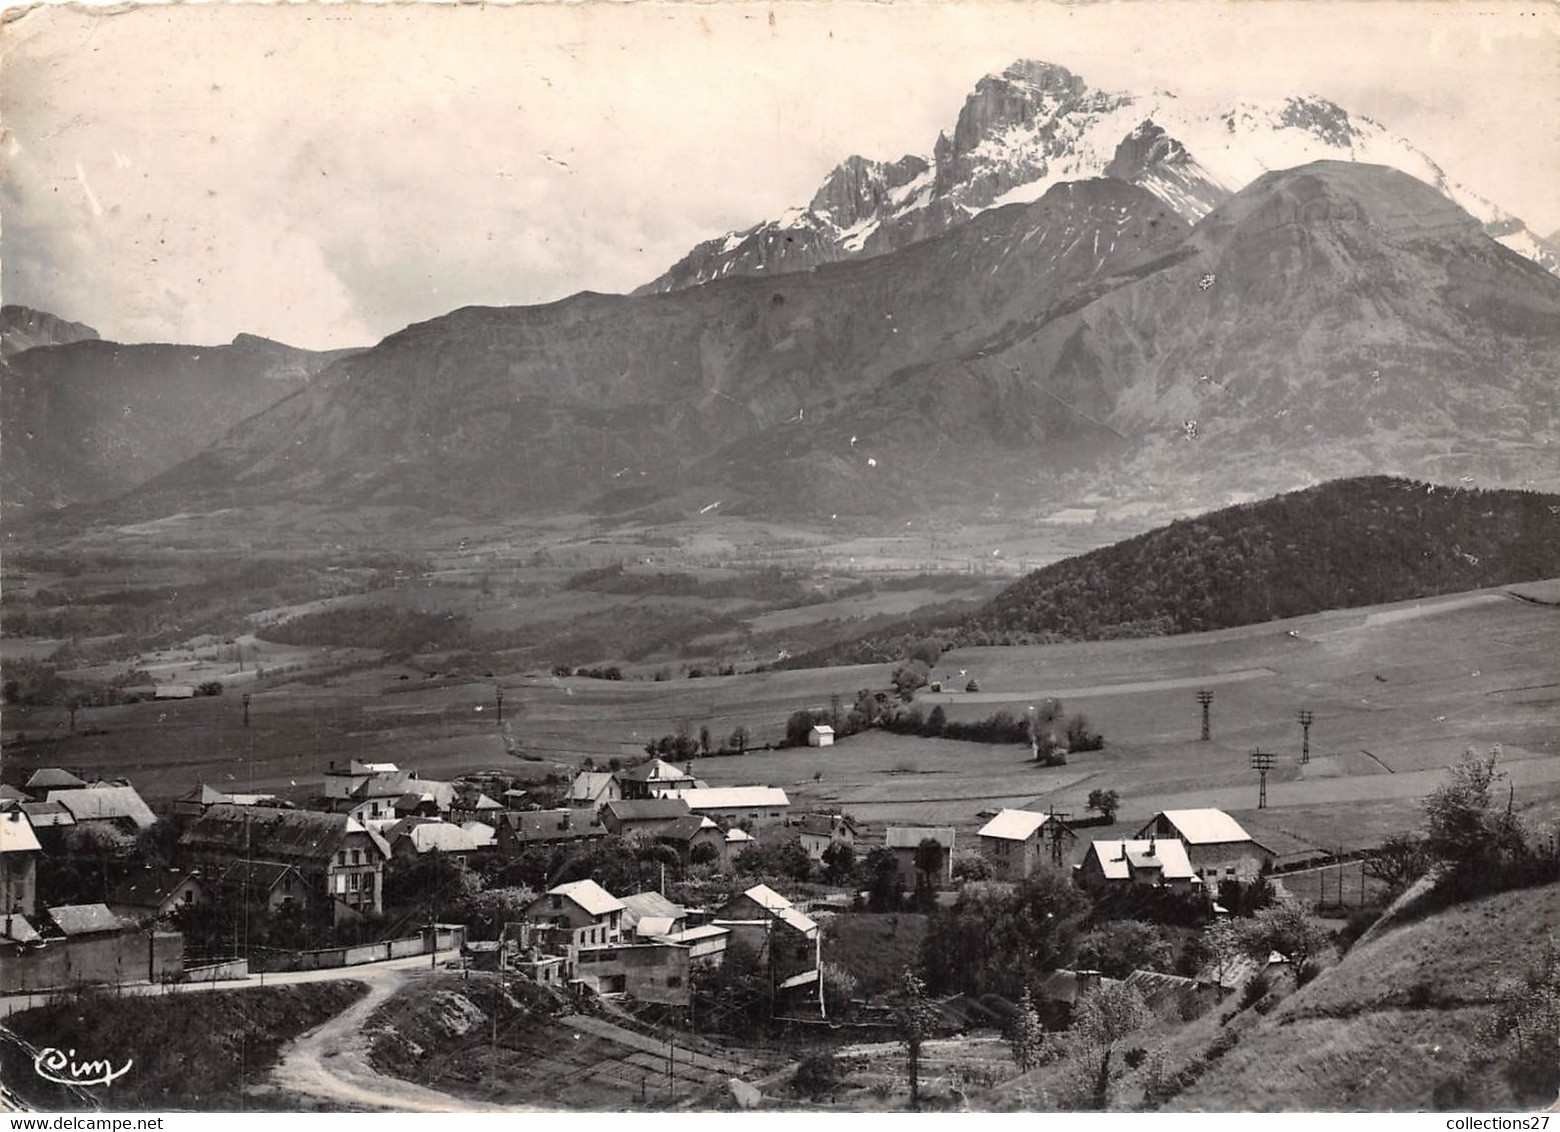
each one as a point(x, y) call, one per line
point(246, 709)
point(1057, 821)
point(1205, 697)
point(498, 692)
point(1262, 762)
point(1305, 718)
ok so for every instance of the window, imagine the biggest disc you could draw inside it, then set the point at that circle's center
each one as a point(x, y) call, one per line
point(357, 856)
point(557, 902)
point(674, 980)
point(353, 881)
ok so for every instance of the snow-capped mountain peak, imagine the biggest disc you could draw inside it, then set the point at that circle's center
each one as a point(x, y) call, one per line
point(1037, 124)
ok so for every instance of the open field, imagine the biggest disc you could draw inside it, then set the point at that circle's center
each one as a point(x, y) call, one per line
point(1397, 693)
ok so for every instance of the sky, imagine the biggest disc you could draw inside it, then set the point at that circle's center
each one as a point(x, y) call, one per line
point(326, 174)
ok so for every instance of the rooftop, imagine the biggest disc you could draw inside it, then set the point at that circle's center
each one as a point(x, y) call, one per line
point(85, 919)
point(1118, 859)
point(105, 803)
point(1014, 825)
point(588, 895)
point(731, 797)
point(53, 778)
point(16, 833)
point(1203, 827)
point(911, 836)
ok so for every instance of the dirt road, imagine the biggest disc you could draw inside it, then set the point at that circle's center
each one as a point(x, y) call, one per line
point(331, 1063)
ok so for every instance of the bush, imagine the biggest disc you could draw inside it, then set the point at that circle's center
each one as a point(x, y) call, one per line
point(818, 1074)
point(1255, 991)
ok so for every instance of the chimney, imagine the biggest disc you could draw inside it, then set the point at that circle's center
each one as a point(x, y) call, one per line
point(1152, 841)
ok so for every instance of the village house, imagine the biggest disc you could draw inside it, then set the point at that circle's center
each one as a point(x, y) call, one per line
point(651, 779)
point(118, 807)
point(471, 804)
point(647, 816)
point(1156, 863)
point(48, 778)
point(592, 789)
point(279, 887)
point(687, 833)
point(19, 854)
point(751, 807)
point(342, 779)
point(1218, 848)
point(1014, 843)
point(786, 940)
point(647, 915)
point(412, 838)
point(151, 894)
point(820, 735)
point(574, 915)
point(519, 831)
point(706, 944)
point(341, 860)
point(198, 800)
point(816, 832)
point(905, 843)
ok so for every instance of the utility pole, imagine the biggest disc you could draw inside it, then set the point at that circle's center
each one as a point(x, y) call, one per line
point(72, 717)
point(246, 709)
point(1057, 821)
point(498, 692)
point(1262, 762)
point(1204, 697)
point(1305, 718)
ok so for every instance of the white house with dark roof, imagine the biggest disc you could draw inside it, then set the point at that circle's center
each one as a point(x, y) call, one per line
point(1216, 845)
point(593, 789)
point(19, 854)
point(1014, 843)
point(1155, 863)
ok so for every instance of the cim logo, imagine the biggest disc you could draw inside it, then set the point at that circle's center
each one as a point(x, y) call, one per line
point(63, 1069)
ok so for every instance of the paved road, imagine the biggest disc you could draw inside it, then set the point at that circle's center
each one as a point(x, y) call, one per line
point(10, 1004)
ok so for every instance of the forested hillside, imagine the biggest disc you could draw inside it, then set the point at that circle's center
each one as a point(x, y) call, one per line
point(1346, 543)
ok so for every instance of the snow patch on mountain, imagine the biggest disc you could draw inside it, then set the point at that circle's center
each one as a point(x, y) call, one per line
point(1037, 125)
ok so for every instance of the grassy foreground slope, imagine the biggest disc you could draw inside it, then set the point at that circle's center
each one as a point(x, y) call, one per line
point(1393, 1026)
point(1340, 545)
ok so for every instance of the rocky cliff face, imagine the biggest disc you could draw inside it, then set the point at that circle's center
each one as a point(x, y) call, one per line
point(1036, 124)
point(22, 328)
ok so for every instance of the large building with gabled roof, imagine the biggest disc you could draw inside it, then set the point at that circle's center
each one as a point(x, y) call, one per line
point(1218, 848)
point(1014, 842)
point(340, 859)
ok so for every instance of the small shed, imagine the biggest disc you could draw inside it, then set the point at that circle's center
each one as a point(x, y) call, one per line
point(820, 735)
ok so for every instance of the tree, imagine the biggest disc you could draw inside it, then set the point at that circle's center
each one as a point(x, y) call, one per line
point(929, 858)
point(704, 740)
point(1463, 827)
point(1102, 1018)
point(970, 865)
point(1027, 1036)
point(1116, 948)
point(927, 651)
point(1284, 927)
point(738, 741)
point(998, 939)
point(908, 677)
point(937, 721)
point(915, 1015)
point(884, 890)
point(1224, 949)
point(1080, 738)
point(703, 854)
point(1398, 862)
point(839, 861)
point(1107, 802)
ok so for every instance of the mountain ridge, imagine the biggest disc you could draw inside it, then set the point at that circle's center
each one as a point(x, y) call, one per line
point(1034, 124)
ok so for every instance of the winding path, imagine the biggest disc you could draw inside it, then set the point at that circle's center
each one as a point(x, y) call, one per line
point(331, 1062)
